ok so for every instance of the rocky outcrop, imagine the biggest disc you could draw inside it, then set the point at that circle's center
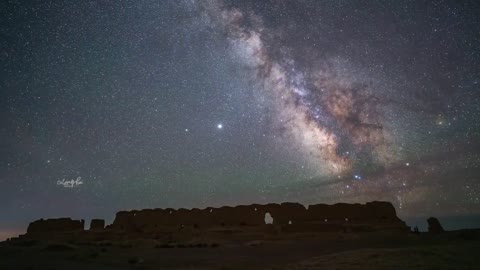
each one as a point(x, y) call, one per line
point(434, 225)
point(97, 224)
point(55, 225)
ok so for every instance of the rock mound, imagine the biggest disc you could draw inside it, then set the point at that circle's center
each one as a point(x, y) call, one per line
point(434, 225)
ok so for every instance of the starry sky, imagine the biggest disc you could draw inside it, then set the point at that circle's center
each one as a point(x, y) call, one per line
point(109, 105)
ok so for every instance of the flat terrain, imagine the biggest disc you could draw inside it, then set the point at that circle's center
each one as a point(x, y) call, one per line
point(452, 250)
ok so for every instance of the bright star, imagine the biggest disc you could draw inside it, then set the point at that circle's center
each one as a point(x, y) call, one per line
point(219, 126)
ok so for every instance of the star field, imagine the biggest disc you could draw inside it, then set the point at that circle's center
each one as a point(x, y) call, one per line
point(210, 103)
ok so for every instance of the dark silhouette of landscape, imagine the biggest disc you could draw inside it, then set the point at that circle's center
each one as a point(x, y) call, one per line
point(271, 236)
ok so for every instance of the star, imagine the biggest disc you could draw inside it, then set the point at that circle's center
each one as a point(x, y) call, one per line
point(220, 126)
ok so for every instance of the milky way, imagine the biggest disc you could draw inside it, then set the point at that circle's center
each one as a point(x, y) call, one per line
point(332, 119)
point(348, 130)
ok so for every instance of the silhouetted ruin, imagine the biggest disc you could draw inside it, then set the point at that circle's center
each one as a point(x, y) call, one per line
point(56, 225)
point(269, 218)
point(289, 216)
point(97, 224)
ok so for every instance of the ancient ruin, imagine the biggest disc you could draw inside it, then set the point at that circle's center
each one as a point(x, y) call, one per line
point(55, 225)
point(284, 217)
point(289, 216)
point(97, 224)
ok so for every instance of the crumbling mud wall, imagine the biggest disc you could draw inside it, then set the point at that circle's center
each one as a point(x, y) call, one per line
point(55, 225)
point(97, 224)
point(287, 217)
point(291, 216)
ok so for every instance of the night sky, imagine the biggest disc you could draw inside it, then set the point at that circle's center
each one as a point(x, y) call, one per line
point(156, 104)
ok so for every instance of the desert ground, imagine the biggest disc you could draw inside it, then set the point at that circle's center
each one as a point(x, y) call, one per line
point(375, 250)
